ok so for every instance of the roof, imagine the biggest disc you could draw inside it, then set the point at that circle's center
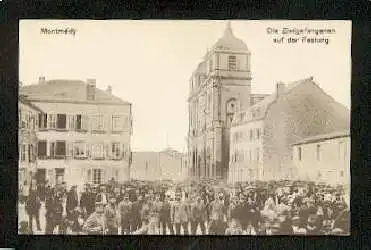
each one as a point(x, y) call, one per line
point(323, 137)
point(201, 68)
point(259, 110)
point(229, 42)
point(22, 99)
point(65, 90)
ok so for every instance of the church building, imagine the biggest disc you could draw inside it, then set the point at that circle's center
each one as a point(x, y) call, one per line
point(220, 86)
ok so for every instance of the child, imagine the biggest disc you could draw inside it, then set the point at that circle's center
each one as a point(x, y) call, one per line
point(234, 228)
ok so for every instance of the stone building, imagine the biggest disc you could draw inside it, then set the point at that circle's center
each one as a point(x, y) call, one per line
point(219, 87)
point(28, 115)
point(165, 165)
point(263, 134)
point(84, 133)
point(323, 158)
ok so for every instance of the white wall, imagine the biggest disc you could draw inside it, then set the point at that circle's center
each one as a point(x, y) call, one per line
point(239, 170)
point(334, 159)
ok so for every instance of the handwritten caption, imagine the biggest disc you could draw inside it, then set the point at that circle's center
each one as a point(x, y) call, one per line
point(300, 36)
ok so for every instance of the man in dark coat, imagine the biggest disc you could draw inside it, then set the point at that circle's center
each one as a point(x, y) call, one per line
point(33, 205)
point(72, 201)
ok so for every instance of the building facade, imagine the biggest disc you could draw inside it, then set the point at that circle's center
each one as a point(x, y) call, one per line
point(324, 158)
point(28, 115)
point(218, 88)
point(165, 165)
point(263, 134)
point(84, 133)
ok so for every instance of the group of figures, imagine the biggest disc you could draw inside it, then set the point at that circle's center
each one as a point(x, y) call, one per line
point(197, 208)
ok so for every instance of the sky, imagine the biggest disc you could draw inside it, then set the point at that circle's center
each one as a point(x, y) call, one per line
point(149, 63)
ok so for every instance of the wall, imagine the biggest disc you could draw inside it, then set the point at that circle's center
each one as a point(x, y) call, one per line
point(334, 157)
point(138, 170)
point(239, 170)
point(303, 112)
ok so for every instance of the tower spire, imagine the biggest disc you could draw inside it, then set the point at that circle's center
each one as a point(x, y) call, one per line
point(228, 29)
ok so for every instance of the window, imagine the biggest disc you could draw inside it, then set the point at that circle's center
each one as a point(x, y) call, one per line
point(43, 120)
point(117, 123)
point(98, 150)
point(52, 149)
point(97, 123)
point(41, 148)
point(251, 134)
point(61, 121)
point(250, 156)
point(210, 65)
point(318, 151)
point(59, 175)
point(97, 176)
point(257, 154)
point(72, 122)
point(60, 148)
point(116, 151)
point(23, 152)
point(341, 173)
point(232, 62)
point(30, 153)
point(78, 122)
point(299, 153)
point(79, 150)
point(257, 133)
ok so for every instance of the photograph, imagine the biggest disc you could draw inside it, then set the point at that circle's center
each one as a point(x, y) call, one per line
point(184, 127)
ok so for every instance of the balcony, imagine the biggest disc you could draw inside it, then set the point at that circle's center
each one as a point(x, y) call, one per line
point(81, 157)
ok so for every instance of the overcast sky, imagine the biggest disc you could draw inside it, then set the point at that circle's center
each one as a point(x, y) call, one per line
point(148, 63)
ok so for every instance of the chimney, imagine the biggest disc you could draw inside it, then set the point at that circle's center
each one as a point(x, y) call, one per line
point(280, 88)
point(109, 90)
point(90, 89)
point(42, 80)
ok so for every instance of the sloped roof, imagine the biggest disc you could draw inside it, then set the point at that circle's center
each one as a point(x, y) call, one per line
point(201, 68)
point(323, 137)
point(260, 108)
point(67, 91)
point(22, 99)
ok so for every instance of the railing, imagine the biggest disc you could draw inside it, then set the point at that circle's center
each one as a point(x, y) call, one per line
point(68, 157)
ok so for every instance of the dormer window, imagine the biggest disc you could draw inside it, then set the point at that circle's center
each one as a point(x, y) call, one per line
point(232, 62)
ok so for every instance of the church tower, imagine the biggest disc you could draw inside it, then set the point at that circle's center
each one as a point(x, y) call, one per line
point(220, 86)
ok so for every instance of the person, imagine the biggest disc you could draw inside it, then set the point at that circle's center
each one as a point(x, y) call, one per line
point(58, 213)
point(111, 217)
point(156, 208)
point(217, 206)
point(24, 228)
point(165, 216)
point(150, 228)
point(49, 215)
point(84, 200)
point(33, 205)
point(72, 200)
point(217, 225)
point(198, 216)
point(180, 215)
point(95, 224)
point(125, 211)
point(135, 221)
point(234, 228)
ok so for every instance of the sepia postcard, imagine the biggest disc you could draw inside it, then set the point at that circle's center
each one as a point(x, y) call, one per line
point(169, 127)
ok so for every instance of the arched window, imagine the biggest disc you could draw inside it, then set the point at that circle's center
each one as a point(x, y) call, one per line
point(232, 63)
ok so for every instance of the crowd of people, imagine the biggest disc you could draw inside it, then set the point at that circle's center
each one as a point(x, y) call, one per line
point(198, 207)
